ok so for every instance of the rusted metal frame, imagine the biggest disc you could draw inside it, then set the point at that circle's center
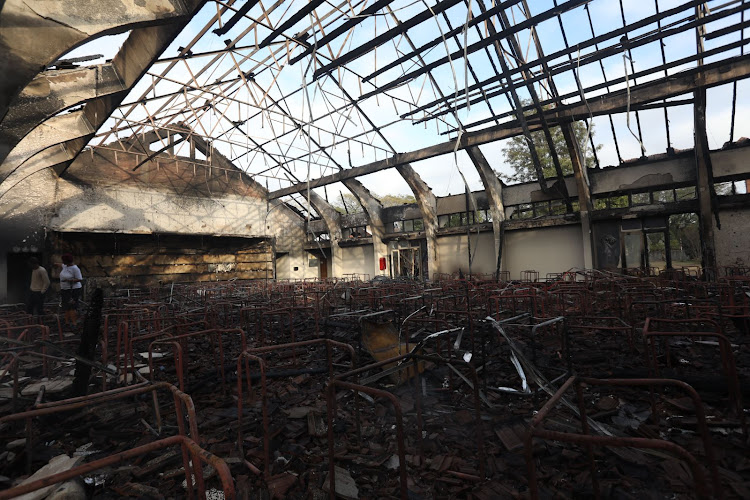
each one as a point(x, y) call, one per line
point(14, 366)
point(256, 312)
point(536, 429)
point(622, 327)
point(29, 343)
point(331, 399)
point(384, 37)
point(24, 329)
point(254, 355)
point(120, 393)
point(180, 353)
point(86, 401)
point(402, 361)
point(594, 41)
point(177, 353)
point(197, 455)
point(128, 342)
point(560, 321)
point(700, 414)
point(240, 442)
point(278, 313)
point(127, 354)
point(725, 348)
point(446, 328)
point(314, 310)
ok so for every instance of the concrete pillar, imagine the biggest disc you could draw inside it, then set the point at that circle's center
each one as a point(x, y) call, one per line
point(374, 210)
point(494, 189)
point(37, 33)
point(584, 191)
point(332, 218)
point(427, 203)
point(704, 185)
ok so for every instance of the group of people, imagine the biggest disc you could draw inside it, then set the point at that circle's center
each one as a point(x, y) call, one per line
point(70, 288)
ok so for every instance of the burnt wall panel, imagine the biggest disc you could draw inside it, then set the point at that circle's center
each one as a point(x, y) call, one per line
point(133, 260)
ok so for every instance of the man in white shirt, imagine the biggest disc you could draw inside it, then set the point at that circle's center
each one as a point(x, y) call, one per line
point(38, 287)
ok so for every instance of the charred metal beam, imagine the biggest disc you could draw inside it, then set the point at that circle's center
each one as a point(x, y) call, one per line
point(606, 85)
point(249, 4)
point(388, 35)
point(533, 21)
point(711, 75)
point(294, 19)
point(593, 57)
point(337, 32)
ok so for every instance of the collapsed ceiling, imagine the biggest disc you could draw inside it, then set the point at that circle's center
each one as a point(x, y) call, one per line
point(304, 94)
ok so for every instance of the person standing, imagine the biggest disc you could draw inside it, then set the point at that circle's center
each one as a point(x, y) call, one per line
point(70, 289)
point(38, 287)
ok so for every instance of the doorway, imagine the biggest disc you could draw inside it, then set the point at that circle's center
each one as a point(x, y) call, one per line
point(323, 263)
point(19, 275)
point(407, 262)
point(646, 249)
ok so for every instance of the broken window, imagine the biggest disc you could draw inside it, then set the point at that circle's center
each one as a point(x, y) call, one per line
point(640, 198)
point(666, 196)
point(684, 240)
point(686, 193)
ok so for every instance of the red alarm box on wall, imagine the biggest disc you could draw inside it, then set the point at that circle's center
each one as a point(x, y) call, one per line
point(382, 263)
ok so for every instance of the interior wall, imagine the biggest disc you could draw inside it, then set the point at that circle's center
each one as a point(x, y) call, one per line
point(453, 251)
point(546, 250)
point(110, 260)
point(733, 239)
point(102, 194)
point(358, 259)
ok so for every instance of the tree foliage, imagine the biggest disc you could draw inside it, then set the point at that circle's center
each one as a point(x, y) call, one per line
point(517, 155)
point(393, 200)
point(347, 203)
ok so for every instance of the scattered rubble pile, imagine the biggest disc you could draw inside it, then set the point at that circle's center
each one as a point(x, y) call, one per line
point(583, 385)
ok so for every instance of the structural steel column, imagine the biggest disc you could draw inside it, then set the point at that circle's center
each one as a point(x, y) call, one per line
point(584, 191)
point(374, 210)
point(427, 203)
point(494, 189)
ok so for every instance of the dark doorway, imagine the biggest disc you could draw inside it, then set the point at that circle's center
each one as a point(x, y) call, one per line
point(19, 276)
point(323, 268)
